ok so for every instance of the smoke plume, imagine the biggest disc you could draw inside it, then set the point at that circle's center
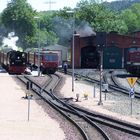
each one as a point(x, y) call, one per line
point(85, 30)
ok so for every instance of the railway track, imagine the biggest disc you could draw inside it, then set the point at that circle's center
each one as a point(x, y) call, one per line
point(95, 119)
point(124, 89)
point(84, 124)
point(113, 123)
point(109, 78)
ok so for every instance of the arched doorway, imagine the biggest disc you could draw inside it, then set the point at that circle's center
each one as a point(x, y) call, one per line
point(89, 57)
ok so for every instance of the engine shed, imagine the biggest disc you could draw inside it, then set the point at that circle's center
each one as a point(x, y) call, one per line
point(85, 53)
point(115, 49)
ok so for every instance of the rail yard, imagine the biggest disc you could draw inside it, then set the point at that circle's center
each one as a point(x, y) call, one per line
point(73, 115)
point(71, 73)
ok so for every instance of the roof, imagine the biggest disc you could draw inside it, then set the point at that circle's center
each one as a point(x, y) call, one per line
point(56, 47)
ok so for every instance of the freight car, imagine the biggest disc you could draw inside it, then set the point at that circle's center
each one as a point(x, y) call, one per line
point(49, 61)
point(13, 61)
point(133, 61)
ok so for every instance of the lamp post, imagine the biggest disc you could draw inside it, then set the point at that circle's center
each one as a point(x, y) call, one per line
point(38, 45)
point(73, 41)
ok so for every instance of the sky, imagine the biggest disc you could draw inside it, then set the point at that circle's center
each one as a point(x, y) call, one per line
point(42, 5)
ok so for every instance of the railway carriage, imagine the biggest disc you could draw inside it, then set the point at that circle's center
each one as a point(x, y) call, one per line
point(49, 61)
point(133, 61)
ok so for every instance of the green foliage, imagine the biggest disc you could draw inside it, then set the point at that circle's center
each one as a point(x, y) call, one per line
point(3, 31)
point(57, 26)
point(19, 17)
point(131, 17)
point(64, 13)
point(46, 34)
point(120, 5)
point(101, 18)
point(46, 20)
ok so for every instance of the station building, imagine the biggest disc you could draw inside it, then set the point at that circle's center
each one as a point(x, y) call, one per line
point(114, 46)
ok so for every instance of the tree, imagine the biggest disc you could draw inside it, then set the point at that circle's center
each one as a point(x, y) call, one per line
point(131, 17)
point(62, 23)
point(120, 5)
point(3, 31)
point(63, 29)
point(100, 18)
point(19, 16)
point(47, 35)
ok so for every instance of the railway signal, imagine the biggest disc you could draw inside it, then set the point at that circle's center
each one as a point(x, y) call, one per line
point(101, 43)
point(101, 39)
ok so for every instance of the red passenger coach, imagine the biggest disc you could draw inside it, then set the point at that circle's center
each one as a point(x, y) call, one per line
point(49, 61)
point(133, 61)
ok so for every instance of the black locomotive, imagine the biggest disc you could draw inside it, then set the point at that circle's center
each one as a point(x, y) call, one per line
point(13, 61)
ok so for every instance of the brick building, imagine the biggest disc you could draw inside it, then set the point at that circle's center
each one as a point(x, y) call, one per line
point(114, 45)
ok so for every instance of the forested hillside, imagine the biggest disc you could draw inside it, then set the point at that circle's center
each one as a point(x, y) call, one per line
point(120, 5)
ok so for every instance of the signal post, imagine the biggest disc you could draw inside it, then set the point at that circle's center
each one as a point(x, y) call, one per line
point(131, 81)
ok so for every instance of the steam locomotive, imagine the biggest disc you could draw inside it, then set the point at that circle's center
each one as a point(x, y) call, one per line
point(13, 61)
point(133, 61)
point(48, 61)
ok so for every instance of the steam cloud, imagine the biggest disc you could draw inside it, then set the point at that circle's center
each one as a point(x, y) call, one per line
point(85, 30)
point(10, 41)
point(64, 28)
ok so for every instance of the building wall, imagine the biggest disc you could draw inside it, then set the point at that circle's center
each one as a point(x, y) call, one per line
point(135, 34)
point(79, 43)
point(122, 41)
point(112, 40)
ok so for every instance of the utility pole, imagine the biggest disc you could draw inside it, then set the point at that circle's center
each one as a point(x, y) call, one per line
point(39, 59)
point(49, 2)
point(73, 47)
point(101, 43)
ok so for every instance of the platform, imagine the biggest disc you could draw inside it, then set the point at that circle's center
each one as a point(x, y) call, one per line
point(14, 122)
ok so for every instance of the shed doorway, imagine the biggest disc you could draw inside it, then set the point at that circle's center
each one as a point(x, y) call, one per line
point(89, 57)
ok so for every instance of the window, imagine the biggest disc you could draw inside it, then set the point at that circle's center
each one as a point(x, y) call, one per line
point(51, 57)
